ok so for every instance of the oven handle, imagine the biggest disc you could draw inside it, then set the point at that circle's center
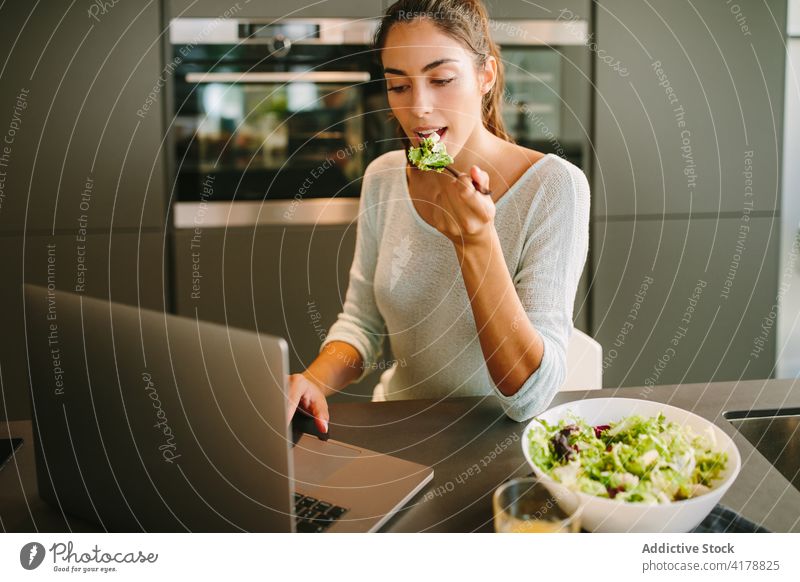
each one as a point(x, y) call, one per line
point(280, 77)
point(238, 213)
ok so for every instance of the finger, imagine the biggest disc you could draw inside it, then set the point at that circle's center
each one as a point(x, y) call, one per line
point(465, 185)
point(468, 196)
point(293, 402)
point(319, 408)
point(468, 184)
point(480, 178)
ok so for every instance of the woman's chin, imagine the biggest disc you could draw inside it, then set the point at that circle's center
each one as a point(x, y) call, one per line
point(452, 150)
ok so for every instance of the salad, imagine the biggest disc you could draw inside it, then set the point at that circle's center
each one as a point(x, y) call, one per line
point(430, 155)
point(639, 460)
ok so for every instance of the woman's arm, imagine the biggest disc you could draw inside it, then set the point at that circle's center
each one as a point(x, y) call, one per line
point(355, 340)
point(513, 349)
point(337, 366)
point(523, 320)
point(511, 345)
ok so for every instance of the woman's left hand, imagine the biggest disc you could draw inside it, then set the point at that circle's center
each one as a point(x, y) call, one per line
point(460, 212)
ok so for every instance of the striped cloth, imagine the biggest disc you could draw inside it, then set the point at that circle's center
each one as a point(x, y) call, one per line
point(723, 519)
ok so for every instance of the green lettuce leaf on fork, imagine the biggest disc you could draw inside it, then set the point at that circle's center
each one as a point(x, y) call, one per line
point(430, 155)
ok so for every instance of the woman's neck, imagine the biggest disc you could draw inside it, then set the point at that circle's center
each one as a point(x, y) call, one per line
point(481, 149)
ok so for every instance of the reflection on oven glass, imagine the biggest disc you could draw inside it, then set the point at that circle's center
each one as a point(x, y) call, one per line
point(262, 135)
point(532, 107)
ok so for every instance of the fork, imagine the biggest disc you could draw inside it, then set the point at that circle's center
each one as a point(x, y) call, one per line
point(474, 183)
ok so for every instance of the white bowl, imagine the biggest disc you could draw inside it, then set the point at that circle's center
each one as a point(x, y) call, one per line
point(600, 514)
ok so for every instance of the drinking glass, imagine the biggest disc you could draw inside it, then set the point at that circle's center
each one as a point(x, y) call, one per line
point(524, 505)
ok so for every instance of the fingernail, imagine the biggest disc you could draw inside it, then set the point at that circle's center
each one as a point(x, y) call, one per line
point(325, 424)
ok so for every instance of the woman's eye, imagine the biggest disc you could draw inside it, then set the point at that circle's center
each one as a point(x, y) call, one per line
point(438, 82)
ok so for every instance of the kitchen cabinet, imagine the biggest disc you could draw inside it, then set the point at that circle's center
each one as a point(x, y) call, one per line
point(688, 116)
point(288, 281)
point(274, 9)
point(125, 267)
point(698, 93)
point(75, 89)
point(581, 307)
point(685, 300)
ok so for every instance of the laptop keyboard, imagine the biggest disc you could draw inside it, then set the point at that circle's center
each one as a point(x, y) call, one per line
point(313, 515)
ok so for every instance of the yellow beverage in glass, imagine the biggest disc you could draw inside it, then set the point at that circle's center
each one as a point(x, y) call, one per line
point(524, 505)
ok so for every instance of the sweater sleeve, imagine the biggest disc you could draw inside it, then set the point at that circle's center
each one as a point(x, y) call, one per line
point(360, 324)
point(546, 281)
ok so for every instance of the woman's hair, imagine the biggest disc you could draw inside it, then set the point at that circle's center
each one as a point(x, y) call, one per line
point(466, 21)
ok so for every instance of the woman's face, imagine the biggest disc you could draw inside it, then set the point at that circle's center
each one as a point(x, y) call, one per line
point(432, 83)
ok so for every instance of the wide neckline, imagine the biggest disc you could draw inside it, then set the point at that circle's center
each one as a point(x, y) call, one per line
point(429, 227)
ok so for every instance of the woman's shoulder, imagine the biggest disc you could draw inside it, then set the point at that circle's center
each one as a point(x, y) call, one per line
point(556, 190)
point(554, 167)
point(553, 178)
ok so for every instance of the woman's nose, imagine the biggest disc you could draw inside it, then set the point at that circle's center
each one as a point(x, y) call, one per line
point(420, 101)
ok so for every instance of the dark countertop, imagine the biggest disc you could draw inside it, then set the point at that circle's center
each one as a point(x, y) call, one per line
point(473, 447)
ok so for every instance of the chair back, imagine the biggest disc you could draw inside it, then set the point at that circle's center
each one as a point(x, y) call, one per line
point(584, 363)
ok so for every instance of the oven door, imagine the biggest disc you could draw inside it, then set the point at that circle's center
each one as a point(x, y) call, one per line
point(272, 135)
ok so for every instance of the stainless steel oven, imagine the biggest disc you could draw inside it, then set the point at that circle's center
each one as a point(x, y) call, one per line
point(273, 110)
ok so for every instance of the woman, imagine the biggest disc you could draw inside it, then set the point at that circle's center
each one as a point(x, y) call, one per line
point(476, 291)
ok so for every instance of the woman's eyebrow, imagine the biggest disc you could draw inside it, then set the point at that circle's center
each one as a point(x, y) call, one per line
point(427, 67)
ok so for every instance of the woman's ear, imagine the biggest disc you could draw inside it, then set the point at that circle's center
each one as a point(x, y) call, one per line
point(488, 75)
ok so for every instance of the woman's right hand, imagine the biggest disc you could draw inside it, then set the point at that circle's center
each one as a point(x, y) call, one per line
point(305, 394)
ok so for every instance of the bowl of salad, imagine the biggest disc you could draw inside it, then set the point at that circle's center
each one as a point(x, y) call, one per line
point(634, 465)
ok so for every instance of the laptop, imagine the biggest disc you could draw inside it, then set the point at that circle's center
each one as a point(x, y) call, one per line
point(146, 421)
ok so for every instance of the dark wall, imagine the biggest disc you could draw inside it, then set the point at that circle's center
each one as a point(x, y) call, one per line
point(83, 200)
point(686, 189)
